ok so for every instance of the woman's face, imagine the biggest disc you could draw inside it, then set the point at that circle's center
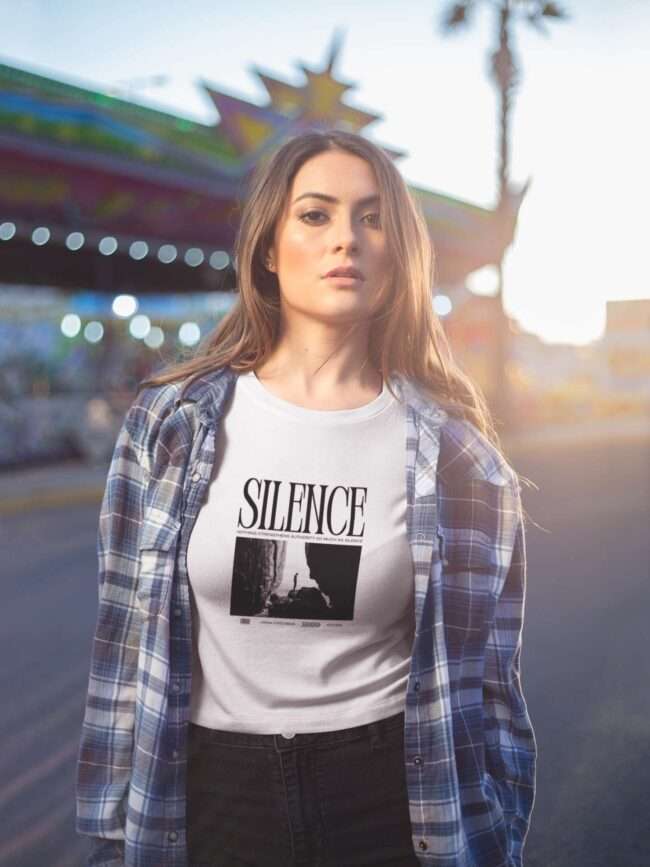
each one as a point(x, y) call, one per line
point(331, 220)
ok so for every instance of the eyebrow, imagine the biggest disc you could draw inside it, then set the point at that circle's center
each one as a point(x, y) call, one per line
point(367, 200)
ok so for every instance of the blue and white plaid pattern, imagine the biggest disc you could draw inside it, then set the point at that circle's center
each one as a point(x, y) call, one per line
point(470, 749)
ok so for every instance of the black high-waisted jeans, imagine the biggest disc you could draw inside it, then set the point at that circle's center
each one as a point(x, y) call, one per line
point(323, 799)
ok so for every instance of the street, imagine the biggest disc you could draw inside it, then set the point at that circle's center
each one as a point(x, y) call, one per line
point(585, 664)
point(585, 661)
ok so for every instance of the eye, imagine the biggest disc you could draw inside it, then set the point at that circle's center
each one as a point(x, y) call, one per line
point(312, 218)
point(376, 220)
point(306, 217)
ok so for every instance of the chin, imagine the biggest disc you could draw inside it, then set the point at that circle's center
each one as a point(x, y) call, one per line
point(349, 304)
point(332, 307)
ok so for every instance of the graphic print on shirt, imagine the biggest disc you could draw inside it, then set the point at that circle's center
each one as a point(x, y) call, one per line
point(297, 550)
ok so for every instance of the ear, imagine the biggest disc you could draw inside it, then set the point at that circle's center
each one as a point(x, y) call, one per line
point(269, 259)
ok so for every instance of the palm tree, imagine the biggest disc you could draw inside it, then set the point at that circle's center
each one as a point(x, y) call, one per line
point(504, 71)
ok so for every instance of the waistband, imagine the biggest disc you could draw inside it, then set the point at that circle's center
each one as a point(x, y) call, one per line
point(375, 731)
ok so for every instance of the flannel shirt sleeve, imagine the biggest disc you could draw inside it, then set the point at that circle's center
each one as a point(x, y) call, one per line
point(105, 753)
point(511, 749)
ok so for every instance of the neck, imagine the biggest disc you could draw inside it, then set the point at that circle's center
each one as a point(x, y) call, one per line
point(319, 360)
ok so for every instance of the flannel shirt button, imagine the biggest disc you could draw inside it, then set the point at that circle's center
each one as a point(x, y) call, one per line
point(174, 754)
point(176, 686)
point(196, 477)
point(422, 845)
point(417, 760)
point(178, 612)
point(416, 685)
point(172, 836)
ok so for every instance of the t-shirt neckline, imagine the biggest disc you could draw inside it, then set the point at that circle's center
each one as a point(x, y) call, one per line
point(261, 394)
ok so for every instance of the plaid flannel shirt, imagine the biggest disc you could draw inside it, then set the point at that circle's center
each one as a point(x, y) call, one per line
point(469, 747)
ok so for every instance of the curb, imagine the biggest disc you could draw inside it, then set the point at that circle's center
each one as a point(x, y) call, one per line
point(49, 499)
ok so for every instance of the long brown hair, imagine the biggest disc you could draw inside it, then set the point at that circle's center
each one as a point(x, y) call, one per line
point(405, 337)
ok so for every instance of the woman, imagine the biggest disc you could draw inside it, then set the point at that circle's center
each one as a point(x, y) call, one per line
point(312, 565)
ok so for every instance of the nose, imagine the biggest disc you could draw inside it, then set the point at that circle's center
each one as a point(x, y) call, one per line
point(344, 235)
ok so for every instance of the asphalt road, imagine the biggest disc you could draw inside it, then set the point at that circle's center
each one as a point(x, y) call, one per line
point(585, 662)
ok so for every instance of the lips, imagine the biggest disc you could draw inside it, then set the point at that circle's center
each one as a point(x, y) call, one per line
point(345, 272)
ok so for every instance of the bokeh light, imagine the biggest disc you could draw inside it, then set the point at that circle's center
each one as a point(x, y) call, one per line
point(139, 326)
point(219, 260)
point(7, 231)
point(155, 337)
point(194, 257)
point(75, 241)
point(125, 305)
point(41, 236)
point(138, 250)
point(167, 253)
point(70, 325)
point(108, 245)
point(94, 331)
point(189, 333)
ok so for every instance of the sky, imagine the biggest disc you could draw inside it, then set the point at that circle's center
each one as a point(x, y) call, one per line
point(580, 128)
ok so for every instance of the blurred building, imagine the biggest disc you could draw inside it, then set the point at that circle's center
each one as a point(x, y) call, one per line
point(469, 323)
point(117, 227)
point(555, 382)
point(100, 193)
point(626, 346)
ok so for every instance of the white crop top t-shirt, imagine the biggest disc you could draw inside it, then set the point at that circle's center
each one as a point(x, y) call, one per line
point(301, 577)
